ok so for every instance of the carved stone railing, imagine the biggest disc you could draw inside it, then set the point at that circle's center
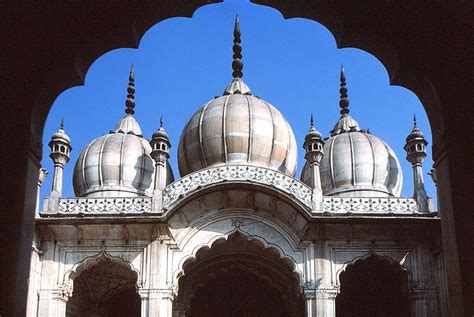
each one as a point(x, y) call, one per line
point(119, 205)
point(383, 205)
point(193, 182)
point(244, 173)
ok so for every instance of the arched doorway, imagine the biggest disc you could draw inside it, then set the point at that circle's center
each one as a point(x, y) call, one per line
point(105, 289)
point(239, 277)
point(373, 287)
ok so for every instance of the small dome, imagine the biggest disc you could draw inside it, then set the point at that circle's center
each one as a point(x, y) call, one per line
point(313, 134)
point(415, 133)
point(129, 125)
point(115, 165)
point(237, 128)
point(60, 135)
point(160, 134)
point(357, 164)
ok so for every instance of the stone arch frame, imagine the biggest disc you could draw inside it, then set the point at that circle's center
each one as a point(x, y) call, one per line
point(392, 262)
point(89, 262)
point(75, 60)
point(179, 271)
point(367, 255)
point(286, 260)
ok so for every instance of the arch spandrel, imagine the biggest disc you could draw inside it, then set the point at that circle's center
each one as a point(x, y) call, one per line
point(216, 215)
point(261, 210)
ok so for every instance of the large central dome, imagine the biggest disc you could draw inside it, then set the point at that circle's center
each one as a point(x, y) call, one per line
point(237, 128)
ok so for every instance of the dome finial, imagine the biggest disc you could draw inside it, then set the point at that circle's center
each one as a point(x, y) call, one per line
point(161, 121)
point(415, 127)
point(344, 101)
point(61, 126)
point(237, 64)
point(311, 121)
point(130, 102)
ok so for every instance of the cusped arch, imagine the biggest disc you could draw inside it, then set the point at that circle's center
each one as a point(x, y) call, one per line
point(91, 261)
point(403, 269)
point(192, 256)
point(258, 275)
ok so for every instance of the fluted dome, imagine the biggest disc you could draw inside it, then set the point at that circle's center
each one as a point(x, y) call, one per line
point(237, 128)
point(116, 164)
point(357, 163)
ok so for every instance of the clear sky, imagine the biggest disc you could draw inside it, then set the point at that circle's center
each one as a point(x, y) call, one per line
point(182, 63)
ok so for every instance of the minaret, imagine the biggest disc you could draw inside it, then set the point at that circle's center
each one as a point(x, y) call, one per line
point(416, 152)
point(314, 144)
point(60, 145)
point(160, 152)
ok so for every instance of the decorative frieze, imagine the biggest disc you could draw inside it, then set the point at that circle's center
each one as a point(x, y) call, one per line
point(385, 205)
point(128, 205)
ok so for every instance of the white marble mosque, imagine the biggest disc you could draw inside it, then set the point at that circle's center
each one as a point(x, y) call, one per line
point(237, 234)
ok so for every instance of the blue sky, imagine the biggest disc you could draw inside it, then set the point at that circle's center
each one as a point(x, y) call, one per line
point(181, 63)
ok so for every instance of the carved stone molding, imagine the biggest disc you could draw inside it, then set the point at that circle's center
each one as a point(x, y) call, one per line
point(370, 205)
point(129, 205)
point(191, 183)
point(245, 173)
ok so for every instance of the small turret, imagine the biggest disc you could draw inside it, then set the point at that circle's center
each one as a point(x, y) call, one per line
point(160, 152)
point(416, 152)
point(60, 145)
point(314, 144)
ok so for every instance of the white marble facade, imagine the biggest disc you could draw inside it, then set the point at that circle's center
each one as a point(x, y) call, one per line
point(156, 244)
point(135, 235)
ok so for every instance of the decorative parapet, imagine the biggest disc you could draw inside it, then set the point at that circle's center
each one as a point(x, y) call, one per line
point(385, 205)
point(232, 173)
point(105, 206)
point(193, 182)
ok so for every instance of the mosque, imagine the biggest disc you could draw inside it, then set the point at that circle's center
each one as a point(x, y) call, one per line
point(237, 234)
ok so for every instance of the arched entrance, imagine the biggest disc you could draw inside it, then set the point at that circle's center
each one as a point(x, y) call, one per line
point(105, 289)
point(239, 277)
point(373, 287)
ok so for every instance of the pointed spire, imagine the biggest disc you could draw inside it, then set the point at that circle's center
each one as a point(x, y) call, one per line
point(130, 102)
point(161, 121)
point(61, 126)
point(415, 127)
point(311, 121)
point(237, 64)
point(344, 101)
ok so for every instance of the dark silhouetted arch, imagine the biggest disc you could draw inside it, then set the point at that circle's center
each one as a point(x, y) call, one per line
point(373, 287)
